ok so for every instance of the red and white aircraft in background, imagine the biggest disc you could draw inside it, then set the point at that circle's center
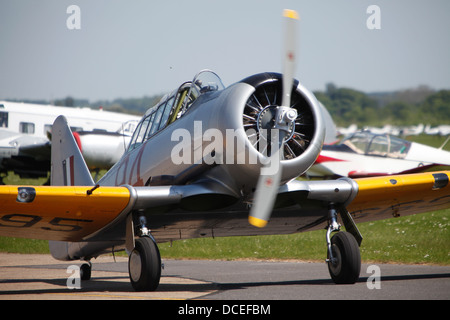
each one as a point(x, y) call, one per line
point(365, 154)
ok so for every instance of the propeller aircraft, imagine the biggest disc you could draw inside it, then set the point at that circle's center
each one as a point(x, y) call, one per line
point(204, 162)
point(365, 154)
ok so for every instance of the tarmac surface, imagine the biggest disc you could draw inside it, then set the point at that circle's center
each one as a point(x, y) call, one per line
point(40, 277)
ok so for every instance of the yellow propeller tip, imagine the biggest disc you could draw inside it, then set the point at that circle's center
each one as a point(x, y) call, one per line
point(260, 223)
point(292, 14)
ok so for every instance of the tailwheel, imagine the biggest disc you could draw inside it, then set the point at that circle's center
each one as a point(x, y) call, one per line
point(344, 264)
point(144, 265)
point(85, 271)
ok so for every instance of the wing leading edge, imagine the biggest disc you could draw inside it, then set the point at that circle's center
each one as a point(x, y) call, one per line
point(394, 196)
point(58, 213)
point(67, 213)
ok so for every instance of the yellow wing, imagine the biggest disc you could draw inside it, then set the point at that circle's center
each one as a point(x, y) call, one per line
point(384, 197)
point(58, 213)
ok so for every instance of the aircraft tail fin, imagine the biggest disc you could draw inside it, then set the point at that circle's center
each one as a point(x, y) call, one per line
point(68, 165)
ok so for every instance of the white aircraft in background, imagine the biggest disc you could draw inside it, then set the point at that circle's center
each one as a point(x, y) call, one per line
point(25, 127)
point(101, 150)
point(414, 130)
point(366, 154)
point(442, 130)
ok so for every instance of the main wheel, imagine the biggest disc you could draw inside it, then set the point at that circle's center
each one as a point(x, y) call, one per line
point(346, 266)
point(144, 265)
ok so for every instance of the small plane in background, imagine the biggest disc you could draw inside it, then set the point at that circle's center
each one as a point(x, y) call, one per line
point(210, 161)
point(102, 150)
point(442, 130)
point(24, 130)
point(366, 154)
point(414, 130)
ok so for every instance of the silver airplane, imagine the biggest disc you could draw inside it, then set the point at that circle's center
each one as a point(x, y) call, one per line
point(210, 161)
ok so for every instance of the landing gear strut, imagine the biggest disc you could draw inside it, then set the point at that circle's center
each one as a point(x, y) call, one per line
point(344, 259)
point(144, 262)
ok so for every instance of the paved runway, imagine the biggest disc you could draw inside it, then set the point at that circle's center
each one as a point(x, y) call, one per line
point(41, 277)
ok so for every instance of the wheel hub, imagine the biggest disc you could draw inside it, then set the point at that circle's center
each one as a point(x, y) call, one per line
point(135, 267)
point(266, 120)
point(335, 262)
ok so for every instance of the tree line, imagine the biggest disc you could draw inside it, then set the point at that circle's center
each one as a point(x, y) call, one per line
point(346, 106)
point(406, 107)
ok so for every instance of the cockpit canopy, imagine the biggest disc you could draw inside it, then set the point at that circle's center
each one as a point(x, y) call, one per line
point(384, 145)
point(174, 105)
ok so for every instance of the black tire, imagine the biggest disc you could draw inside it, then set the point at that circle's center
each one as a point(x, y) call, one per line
point(85, 271)
point(144, 265)
point(347, 266)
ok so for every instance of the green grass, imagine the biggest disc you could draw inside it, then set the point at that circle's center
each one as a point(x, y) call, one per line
point(18, 245)
point(13, 179)
point(423, 238)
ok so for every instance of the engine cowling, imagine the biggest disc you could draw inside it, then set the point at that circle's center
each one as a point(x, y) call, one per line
point(305, 139)
point(256, 111)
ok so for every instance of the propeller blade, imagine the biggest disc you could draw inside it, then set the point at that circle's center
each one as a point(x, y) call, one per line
point(290, 44)
point(269, 180)
point(268, 183)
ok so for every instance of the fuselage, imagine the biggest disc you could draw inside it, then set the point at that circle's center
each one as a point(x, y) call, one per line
point(210, 139)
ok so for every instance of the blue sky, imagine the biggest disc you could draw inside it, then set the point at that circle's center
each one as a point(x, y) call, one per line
point(136, 48)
